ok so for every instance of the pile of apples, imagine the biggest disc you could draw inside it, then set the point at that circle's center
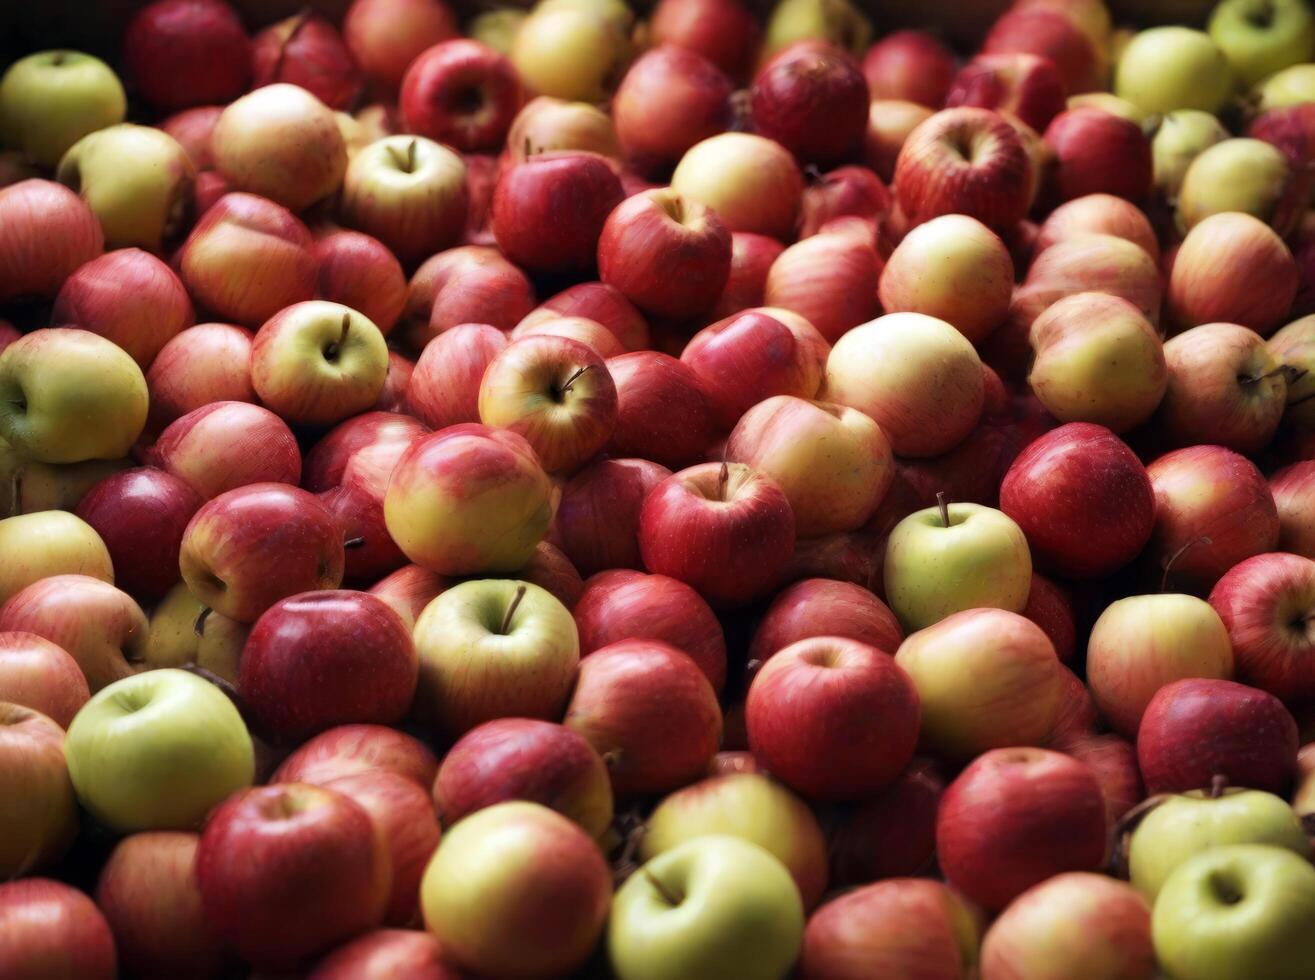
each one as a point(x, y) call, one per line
point(721, 495)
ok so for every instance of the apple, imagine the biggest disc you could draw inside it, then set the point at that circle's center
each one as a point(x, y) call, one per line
point(359, 271)
point(1068, 483)
point(225, 445)
point(246, 259)
point(308, 51)
point(597, 521)
point(906, 925)
point(649, 711)
point(289, 871)
point(829, 278)
point(1263, 602)
point(148, 893)
point(386, 36)
point(1113, 760)
point(51, 99)
point(890, 121)
point(386, 953)
point(192, 129)
point(1098, 153)
point(591, 333)
point(663, 410)
point(1305, 788)
point(671, 98)
point(572, 51)
point(444, 389)
point(181, 53)
point(1285, 88)
point(49, 233)
point(711, 906)
point(1212, 510)
point(601, 303)
point(357, 502)
point(52, 929)
point(1043, 29)
point(812, 102)
point(462, 93)
point(890, 835)
point(964, 161)
point(1169, 68)
point(467, 284)
point(843, 192)
point(179, 636)
point(1293, 347)
point(722, 31)
point(824, 607)
point(910, 65)
point(1098, 214)
point(927, 395)
point(1291, 487)
point(392, 397)
point(1244, 175)
point(41, 820)
point(833, 23)
point(327, 461)
point(751, 182)
point(247, 548)
point(27, 486)
point(545, 123)
point(1027, 86)
point(1259, 40)
point(1179, 138)
point(955, 557)
point(47, 543)
point(351, 749)
point(210, 362)
point(39, 675)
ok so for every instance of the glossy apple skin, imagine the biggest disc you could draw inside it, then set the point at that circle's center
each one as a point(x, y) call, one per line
point(350, 749)
point(670, 98)
point(50, 233)
point(1196, 729)
point(308, 51)
point(890, 121)
point(321, 659)
point(753, 183)
point(910, 65)
point(848, 191)
point(326, 461)
point(444, 388)
point(1025, 85)
point(181, 53)
point(597, 520)
point(815, 607)
point(524, 759)
point(467, 284)
point(1050, 606)
point(358, 505)
point(53, 930)
point(891, 834)
point(250, 547)
point(601, 303)
point(664, 413)
point(1014, 818)
point(723, 31)
point(439, 79)
point(409, 589)
point(814, 103)
point(386, 953)
point(831, 278)
point(141, 514)
point(1264, 602)
point(192, 129)
point(1098, 153)
point(42, 818)
point(1042, 30)
point(1293, 488)
point(385, 36)
point(1083, 499)
point(225, 445)
point(289, 871)
point(649, 711)
point(210, 362)
point(1113, 761)
point(1208, 492)
point(148, 894)
point(1098, 214)
point(359, 271)
point(752, 256)
point(39, 675)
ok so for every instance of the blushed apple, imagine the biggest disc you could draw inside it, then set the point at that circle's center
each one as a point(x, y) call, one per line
point(752, 183)
point(228, 444)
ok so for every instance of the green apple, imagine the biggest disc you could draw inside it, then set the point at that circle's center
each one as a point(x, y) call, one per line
point(1187, 824)
point(711, 908)
point(943, 560)
point(70, 395)
point(1291, 86)
point(1245, 175)
point(497, 28)
point(752, 807)
point(46, 543)
point(1168, 68)
point(1260, 37)
point(494, 648)
point(1180, 138)
point(1244, 912)
point(179, 636)
point(837, 21)
point(137, 180)
point(27, 486)
point(51, 99)
point(157, 750)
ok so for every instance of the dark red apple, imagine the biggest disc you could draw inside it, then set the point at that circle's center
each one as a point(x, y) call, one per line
point(663, 413)
point(181, 53)
point(1026, 85)
point(306, 50)
point(812, 102)
point(912, 66)
point(892, 834)
point(1266, 603)
point(1096, 152)
point(462, 93)
point(825, 607)
point(597, 521)
point(350, 749)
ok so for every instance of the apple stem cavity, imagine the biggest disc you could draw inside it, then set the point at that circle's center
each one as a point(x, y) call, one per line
point(333, 349)
point(511, 609)
point(944, 506)
point(660, 888)
point(1168, 565)
point(351, 544)
point(566, 388)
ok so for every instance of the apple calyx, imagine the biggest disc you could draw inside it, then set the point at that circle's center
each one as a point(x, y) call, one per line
point(511, 609)
point(1169, 562)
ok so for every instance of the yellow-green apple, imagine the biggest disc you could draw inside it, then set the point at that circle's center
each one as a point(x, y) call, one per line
point(228, 444)
point(69, 395)
point(385, 36)
point(148, 893)
point(1261, 38)
point(1179, 138)
point(1292, 487)
point(960, 556)
point(287, 872)
point(1249, 176)
point(179, 635)
point(247, 258)
point(890, 835)
point(597, 521)
point(715, 905)
point(497, 28)
point(37, 674)
point(1168, 68)
point(751, 182)
point(1095, 152)
point(813, 101)
point(1113, 760)
point(52, 929)
point(385, 953)
point(157, 750)
point(1289, 87)
point(1097, 214)
point(649, 711)
point(601, 303)
point(985, 679)
point(671, 98)
point(317, 363)
point(181, 53)
point(210, 362)
point(1294, 346)
point(754, 354)
point(1141, 643)
point(462, 93)
point(519, 869)
point(350, 749)
point(468, 500)
point(1098, 359)
point(1263, 602)
point(890, 121)
point(912, 65)
point(1231, 268)
point(1196, 730)
point(248, 548)
point(409, 192)
point(130, 297)
point(40, 820)
point(829, 278)
point(663, 413)
point(752, 256)
point(524, 640)
point(192, 129)
point(622, 604)
point(49, 232)
point(1240, 910)
point(51, 99)
point(137, 180)
point(308, 51)
point(823, 607)
point(140, 514)
point(280, 142)
point(556, 393)
point(833, 22)
point(46, 543)
point(545, 123)
point(722, 31)
point(467, 284)
point(1073, 480)
point(570, 51)
point(591, 333)
point(359, 271)
point(1212, 510)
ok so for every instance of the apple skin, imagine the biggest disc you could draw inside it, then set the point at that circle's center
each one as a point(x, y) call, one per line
point(41, 820)
point(462, 93)
point(1027, 86)
point(327, 461)
point(1177, 141)
point(1303, 797)
point(722, 31)
point(816, 607)
point(890, 835)
point(752, 183)
point(985, 679)
point(848, 191)
point(597, 521)
point(546, 123)
point(180, 53)
point(890, 121)
point(270, 849)
point(409, 589)
point(210, 362)
point(1258, 48)
point(601, 303)
point(805, 705)
point(1216, 502)
point(39, 675)
point(148, 894)
point(174, 640)
point(1039, 29)
point(246, 259)
point(46, 543)
point(225, 445)
point(1098, 214)
point(351, 749)
point(1242, 175)
point(467, 284)
point(1071, 481)
point(53, 930)
point(129, 297)
point(192, 129)
point(51, 99)
point(444, 388)
point(1113, 760)
point(308, 51)
point(663, 413)
point(385, 36)
point(1098, 153)
point(814, 103)
point(573, 51)
point(30, 487)
point(386, 953)
point(592, 334)
point(1197, 729)
point(1141, 643)
point(752, 256)
point(910, 926)
point(140, 514)
point(830, 278)
point(694, 526)
point(1263, 602)
point(648, 710)
point(359, 271)
point(910, 65)
point(248, 548)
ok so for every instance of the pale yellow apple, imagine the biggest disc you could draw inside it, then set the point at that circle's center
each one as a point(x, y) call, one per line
point(178, 636)
point(27, 486)
point(1245, 175)
point(1180, 138)
point(569, 52)
point(51, 542)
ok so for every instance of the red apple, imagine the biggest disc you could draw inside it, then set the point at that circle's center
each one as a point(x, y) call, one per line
point(306, 50)
point(849, 191)
point(444, 389)
point(601, 303)
point(1113, 761)
point(819, 607)
point(469, 284)
point(909, 65)
point(1025, 85)
point(210, 362)
point(180, 53)
point(751, 260)
point(53, 930)
point(723, 31)
point(462, 93)
point(49, 232)
point(546, 123)
point(385, 36)
point(663, 411)
point(327, 460)
point(597, 520)
point(1264, 602)
point(192, 129)
point(1098, 153)
point(889, 835)
point(392, 397)
point(350, 749)
point(225, 445)
point(1050, 606)
point(41, 819)
point(830, 279)
point(388, 953)
point(357, 503)
point(814, 103)
point(670, 99)
point(358, 271)
point(1292, 487)
point(553, 572)
point(591, 333)
point(37, 674)
point(1097, 214)
point(1041, 29)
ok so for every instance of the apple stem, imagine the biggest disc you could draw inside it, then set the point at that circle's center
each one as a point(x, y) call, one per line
point(334, 348)
point(353, 543)
point(658, 887)
point(1218, 784)
point(411, 157)
point(198, 627)
point(944, 505)
point(16, 498)
point(1288, 374)
point(723, 478)
point(572, 380)
point(1168, 565)
point(511, 609)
